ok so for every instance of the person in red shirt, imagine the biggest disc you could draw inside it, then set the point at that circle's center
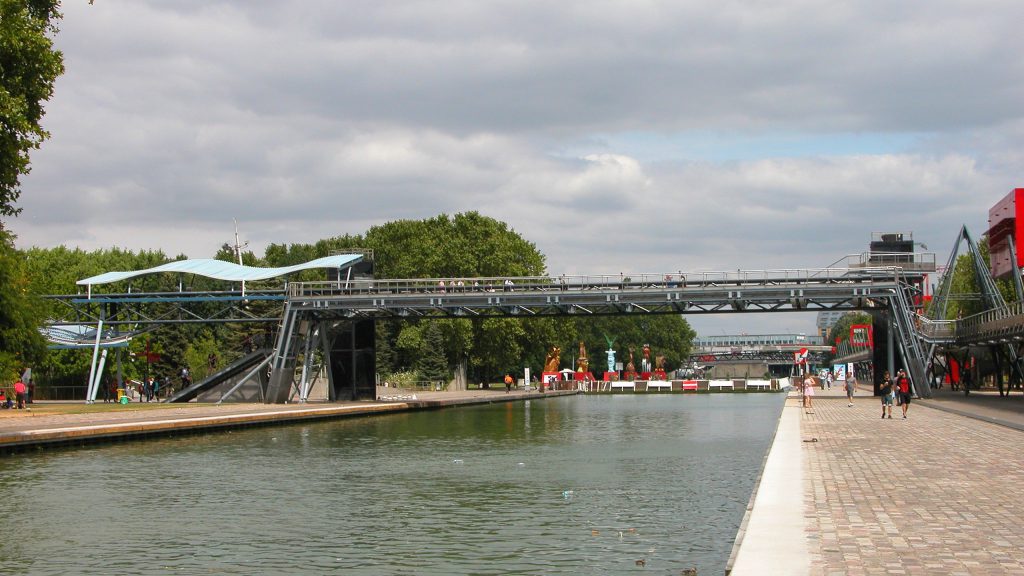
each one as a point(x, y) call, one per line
point(19, 393)
point(903, 389)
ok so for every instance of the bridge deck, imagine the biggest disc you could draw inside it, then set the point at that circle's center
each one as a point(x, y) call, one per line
point(536, 296)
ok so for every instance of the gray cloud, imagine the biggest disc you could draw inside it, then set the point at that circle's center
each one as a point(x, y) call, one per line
point(310, 120)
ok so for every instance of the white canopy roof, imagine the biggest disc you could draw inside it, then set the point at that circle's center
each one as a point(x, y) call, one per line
point(221, 270)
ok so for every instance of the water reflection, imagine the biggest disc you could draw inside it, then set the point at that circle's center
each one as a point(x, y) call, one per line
point(585, 485)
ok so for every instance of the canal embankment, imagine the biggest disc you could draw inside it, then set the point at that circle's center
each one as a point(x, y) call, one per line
point(22, 430)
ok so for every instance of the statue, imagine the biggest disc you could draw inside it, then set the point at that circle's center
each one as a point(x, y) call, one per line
point(659, 369)
point(582, 362)
point(611, 352)
point(630, 367)
point(645, 364)
point(553, 359)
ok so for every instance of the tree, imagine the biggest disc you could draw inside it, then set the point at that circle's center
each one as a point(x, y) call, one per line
point(21, 314)
point(29, 66)
point(432, 364)
point(966, 289)
point(840, 331)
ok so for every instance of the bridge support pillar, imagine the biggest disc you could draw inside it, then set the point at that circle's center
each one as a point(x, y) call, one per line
point(352, 362)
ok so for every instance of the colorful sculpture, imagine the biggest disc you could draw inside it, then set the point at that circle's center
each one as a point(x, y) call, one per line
point(582, 362)
point(611, 352)
point(553, 359)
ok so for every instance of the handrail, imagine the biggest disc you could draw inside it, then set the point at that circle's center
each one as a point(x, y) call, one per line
point(990, 321)
point(583, 282)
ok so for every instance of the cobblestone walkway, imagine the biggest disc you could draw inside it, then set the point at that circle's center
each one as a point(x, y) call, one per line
point(938, 493)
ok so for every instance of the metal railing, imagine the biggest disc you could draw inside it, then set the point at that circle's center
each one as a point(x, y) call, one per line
point(935, 329)
point(1002, 321)
point(644, 281)
point(909, 261)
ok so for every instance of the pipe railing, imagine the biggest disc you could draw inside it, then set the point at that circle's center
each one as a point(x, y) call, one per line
point(644, 281)
point(991, 321)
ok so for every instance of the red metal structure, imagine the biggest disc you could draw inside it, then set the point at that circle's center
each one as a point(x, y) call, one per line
point(1006, 225)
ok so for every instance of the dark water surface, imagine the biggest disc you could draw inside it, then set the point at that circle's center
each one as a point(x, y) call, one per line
point(578, 485)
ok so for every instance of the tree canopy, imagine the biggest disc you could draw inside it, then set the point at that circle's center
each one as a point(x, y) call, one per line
point(21, 344)
point(466, 245)
point(29, 66)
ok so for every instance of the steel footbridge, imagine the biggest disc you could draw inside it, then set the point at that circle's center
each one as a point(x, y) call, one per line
point(337, 317)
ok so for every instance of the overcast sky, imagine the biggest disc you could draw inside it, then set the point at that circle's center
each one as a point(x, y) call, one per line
point(618, 136)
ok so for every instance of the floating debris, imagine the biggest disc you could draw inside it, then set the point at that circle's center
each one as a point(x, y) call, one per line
point(568, 494)
point(457, 461)
point(641, 562)
point(595, 532)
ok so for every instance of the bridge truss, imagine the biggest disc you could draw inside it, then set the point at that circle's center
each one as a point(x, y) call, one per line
point(309, 315)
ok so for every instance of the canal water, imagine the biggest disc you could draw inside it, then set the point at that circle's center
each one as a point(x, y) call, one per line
point(575, 485)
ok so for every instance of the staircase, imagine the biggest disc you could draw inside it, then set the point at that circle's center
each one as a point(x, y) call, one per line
point(909, 339)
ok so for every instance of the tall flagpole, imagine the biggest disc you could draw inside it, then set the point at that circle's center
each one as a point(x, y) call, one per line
point(238, 251)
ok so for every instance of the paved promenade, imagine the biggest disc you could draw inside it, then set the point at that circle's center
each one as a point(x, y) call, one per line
point(21, 429)
point(936, 493)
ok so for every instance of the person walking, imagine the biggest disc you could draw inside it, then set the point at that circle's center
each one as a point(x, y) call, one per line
point(809, 393)
point(903, 389)
point(851, 383)
point(885, 390)
point(508, 383)
point(828, 379)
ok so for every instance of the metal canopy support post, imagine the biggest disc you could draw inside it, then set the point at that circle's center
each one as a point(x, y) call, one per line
point(99, 375)
point(90, 394)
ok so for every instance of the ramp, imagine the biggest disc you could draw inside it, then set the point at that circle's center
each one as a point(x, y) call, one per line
point(234, 370)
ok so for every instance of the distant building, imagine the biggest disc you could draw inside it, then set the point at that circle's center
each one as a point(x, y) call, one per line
point(827, 319)
point(752, 355)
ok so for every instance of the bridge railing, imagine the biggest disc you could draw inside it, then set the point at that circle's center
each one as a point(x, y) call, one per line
point(908, 261)
point(644, 281)
point(935, 329)
point(991, 322)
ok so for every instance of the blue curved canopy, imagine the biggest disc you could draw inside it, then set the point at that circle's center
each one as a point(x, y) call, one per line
point(221, 270)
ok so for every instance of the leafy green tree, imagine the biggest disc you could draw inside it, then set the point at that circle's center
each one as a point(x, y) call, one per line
point(669, 335)
point(965, 291)
point(432, 364)
point(840, 331)
point(21, 314)
point(499, 347)
point(29, 66)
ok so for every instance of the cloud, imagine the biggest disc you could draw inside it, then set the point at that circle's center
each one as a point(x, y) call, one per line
point(617, 136)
